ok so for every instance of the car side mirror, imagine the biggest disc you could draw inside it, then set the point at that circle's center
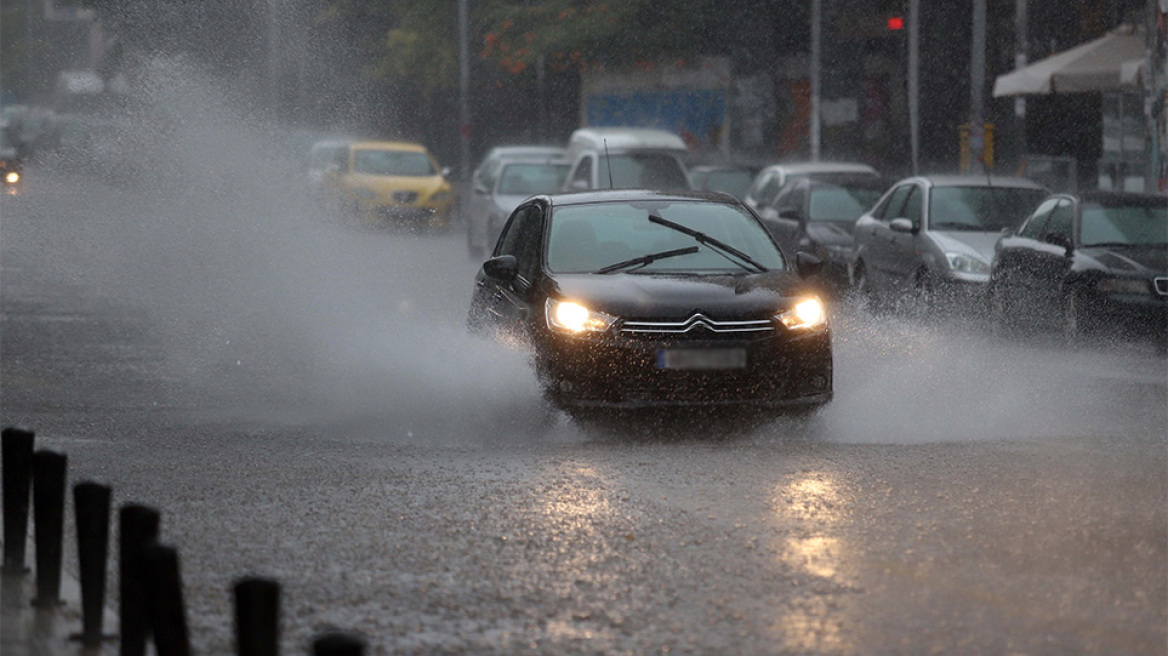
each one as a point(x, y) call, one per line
point(502, 267)
point(902, 225)
point(445, 172)
point(807, 264)
point(1059, 239)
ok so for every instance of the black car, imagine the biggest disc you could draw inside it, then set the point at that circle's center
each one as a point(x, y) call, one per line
point(635, 298)
point(817, 216)
point(1084, 262)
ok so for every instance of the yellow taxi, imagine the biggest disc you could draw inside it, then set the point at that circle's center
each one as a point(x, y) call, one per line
point(389, 182)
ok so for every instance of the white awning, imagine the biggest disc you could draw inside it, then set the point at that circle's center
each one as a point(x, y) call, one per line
point(1109, 63)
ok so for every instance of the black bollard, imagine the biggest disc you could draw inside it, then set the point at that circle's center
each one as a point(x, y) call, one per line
point(137, 528)
point(91, 507)
point(257, 617)
point(48, 507)
point(338, 644)
point(168, 619)
point(17, 466)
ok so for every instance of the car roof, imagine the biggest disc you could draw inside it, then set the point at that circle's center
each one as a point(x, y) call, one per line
point(523, 151)
point(976, 181)
point(388, 145)
point(625, 138)
point(1106, 196)
point(626, 195)
point(797, 168)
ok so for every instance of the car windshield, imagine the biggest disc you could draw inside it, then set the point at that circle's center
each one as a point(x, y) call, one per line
point(981, 208)
point(844, 204)
point(392, 162)
point(1136, 224)
point(642, 171)
point(524, 179)
point(589, 237)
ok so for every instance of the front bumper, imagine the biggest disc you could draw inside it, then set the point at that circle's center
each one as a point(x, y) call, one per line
point(782, 369)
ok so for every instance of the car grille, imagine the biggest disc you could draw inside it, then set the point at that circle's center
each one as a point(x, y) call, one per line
point(698, 321)
point(1162, 286)
point(405, 197)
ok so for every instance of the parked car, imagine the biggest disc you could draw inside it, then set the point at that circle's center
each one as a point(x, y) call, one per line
point(387, 182)
point(626, 158)
point(733, 179)
point(497, 154)
point(500, 190)
point(771, 179)
point(817, 216)
point(1083, 262)
point(931, 239)
point(636, 298)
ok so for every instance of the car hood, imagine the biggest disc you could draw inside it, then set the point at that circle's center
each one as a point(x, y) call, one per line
point(977, 244)
point(1129, 260)
point(676, 297)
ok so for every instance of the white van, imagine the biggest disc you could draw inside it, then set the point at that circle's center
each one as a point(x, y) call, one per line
point(626, 158)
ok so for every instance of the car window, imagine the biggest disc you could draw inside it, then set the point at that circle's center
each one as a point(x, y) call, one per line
point(894, 209)
point(583, 172)
point(392, 162)
point(642, 171)
point(790, 198)
point(1060, 220)
point(1124, 223)
point(836, 203)
point(1033, 229)
point(525, 179)
point(759, 182)
point(913, 205)
point(589, 237)
point(769, 190)
point(981, 208)
point(520, 238)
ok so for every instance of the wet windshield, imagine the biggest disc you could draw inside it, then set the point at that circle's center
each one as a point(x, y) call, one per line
point(392, 162)
point(981, 209)
point(587, 238)
point(1132, 224)
point(521, 179)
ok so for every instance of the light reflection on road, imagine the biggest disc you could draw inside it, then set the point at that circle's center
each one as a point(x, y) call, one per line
point(811, 509)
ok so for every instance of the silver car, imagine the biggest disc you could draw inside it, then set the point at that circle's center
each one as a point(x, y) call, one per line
point(932, 238)
point(500, 190)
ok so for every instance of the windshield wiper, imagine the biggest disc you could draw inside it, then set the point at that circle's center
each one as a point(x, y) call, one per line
point(646, 260)
point(722, 248)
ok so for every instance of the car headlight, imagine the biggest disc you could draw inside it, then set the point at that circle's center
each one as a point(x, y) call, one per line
point(441, 197)
point(566, 316)
point(962, 263)
point(1123, 286)
point(805, 315)
point(12, 177)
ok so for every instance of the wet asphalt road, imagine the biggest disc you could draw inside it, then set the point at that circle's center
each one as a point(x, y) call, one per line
point(300, 401)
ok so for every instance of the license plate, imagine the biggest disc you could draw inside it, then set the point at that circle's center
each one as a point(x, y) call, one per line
point(701, 359)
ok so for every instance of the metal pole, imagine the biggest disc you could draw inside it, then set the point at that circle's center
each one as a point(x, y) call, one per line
point(977, 75)
point(464, 86)
point(914, 82)
point(816, 52)
point(1021, 57)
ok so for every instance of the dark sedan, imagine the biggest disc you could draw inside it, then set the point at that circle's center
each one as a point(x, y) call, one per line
point(1085, 262)
point(817, 216)
point(633, 298)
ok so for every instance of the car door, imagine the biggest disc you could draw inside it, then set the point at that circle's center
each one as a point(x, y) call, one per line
point(906, 249)
point(1049, 262)
point(874, 237)
point(510, 302)
point(1014, 257)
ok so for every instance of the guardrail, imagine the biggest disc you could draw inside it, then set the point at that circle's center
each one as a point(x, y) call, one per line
point(150, 608)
